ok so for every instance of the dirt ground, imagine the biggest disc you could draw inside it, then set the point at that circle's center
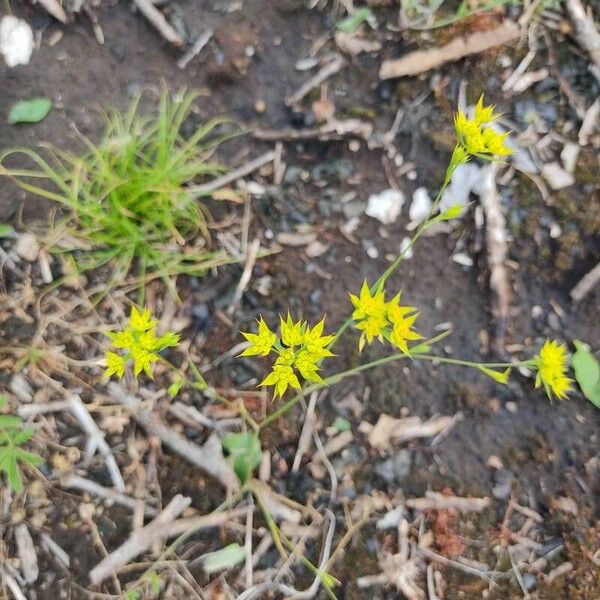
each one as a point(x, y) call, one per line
point(547, 449)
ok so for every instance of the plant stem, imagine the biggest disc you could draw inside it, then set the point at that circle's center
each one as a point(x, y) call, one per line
point(469, 363)
point(392, 268)
point(337, 377)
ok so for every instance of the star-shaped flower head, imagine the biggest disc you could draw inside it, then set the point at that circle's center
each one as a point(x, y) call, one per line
point(402, 319)
point(551, 363)
point(141, 344)
point(370, 314)
point(479, 136)
point(292, 333)
point(261, 343)
point(281, 377)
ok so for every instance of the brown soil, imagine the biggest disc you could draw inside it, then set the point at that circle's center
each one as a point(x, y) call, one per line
point(545, 446)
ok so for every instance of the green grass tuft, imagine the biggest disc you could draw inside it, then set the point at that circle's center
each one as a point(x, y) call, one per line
point(125, 200)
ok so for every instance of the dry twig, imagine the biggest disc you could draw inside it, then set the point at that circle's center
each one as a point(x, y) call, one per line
point(421, 61)
point(157, 19)
point(209, 458)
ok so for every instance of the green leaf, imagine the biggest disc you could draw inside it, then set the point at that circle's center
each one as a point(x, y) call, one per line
point(226, 558)
point(5, 230)
point(29, 111)
point(11, 468)
point(245, 453)
point(351, 23)
point(587, 372)
point(23, 436)
point(154, 582)
point(175, 387)
point(28, 457)
point(452, 212)
point(499, 376)
point(10, 421)
point(341, 424)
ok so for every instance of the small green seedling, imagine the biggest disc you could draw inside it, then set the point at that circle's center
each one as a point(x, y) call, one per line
point(12, 436)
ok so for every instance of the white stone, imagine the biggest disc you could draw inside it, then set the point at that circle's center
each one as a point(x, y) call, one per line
point(27, 247)
point(420, 206)
point(569, 155)
point(385, 206)
point(16, 41)
point(556, 176)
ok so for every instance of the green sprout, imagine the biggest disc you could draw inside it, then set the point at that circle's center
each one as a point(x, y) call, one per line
point(127, 202)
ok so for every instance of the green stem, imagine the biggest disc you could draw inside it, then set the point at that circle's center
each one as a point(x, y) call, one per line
point(200, 384)
point(278, 536)
point(337, 377)
point(469, 363)
point(392, 268)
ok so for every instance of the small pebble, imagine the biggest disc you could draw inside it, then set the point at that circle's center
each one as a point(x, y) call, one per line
point(260, 106)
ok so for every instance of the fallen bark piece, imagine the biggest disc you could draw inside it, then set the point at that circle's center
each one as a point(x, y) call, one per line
point(157, 19)
point(421, 61)
point(586, 284)
point(388, 429)
point(208, 458)
point(55, 9)
point(586, 32)
point(27, 553)
point(140, 540)
point(497, 250)
point(437, 501)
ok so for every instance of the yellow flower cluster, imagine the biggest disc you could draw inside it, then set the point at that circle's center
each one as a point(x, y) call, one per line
point(141, 345)
point(300, 349)
point(552, 363)
point(376, 318)
point(477, 137)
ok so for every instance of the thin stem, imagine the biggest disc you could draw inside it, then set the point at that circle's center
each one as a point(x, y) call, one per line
point(392, 268)
point(200, 384)
point(278, 536)
point(337, 377)
point(469, 363)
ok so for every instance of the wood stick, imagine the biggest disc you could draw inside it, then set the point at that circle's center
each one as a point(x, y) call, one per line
point(91, 487)
point(497, 249)
point(195, 49)
point(27, 553)
point(586, 32)
point(157, 19)
point(53, 548)
point(96, 440)
point(310, 420)
point(140, 540)
point(421, 61)
point(331, 68)
point(218, 182)
point(209, 458)
point(437, 501)
point(586, 284)
point(53, 8)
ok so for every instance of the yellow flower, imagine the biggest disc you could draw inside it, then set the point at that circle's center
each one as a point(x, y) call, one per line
point(402, 319)
point(484, 114)
point(308, 366)
point(292, 334)
point(141, 321)
point(140, 342)
point(315, 342)
point(115, 365)
point(477, 135)
point(300, 350)
point(261, 344)
point(370, 312)
point(551, 364)
point(281, 377)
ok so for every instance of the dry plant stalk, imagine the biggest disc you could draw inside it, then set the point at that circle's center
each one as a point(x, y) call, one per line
point(421, 61)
